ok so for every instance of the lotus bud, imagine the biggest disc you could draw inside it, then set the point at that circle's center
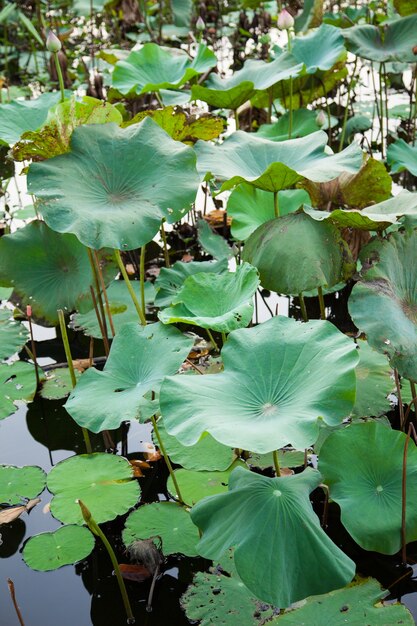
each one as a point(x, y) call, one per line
point(285, 20)
point(52, 43)
point(28, 311)
point(200, 24)
point(85, 511)
point(320, 118)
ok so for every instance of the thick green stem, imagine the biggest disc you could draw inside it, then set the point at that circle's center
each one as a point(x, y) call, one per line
point(321, 303)
point(99, 299)
point(164, 240)
point(99, 273)
point(303, 307)
point(224, 337)
point(276, 463)
point(216, 347)
point(60, 77)
point(276, 205)
point(142, 277)
point(345, 117)
point(236, 119)
point(413, 395)
point(167, 461)
point(130, 288)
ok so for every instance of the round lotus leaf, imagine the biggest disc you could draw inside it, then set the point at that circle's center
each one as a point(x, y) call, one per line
point(390, 42)
point(373, 383)
point(170, 280)
point(167, 520)
point(17, 382)
point(22, 115)
point(319, 49)
point(402, 156)
point(65, 546)
point(303, 123)
point(58, 383)
point(20, 483)
point(357, 604)
point(104, 483)
point(48, 270)
point(212, 243)
point(383, 304)
point(116, 184)
point(281, 553)
point(274, 389)
point(222, 302)
point(295, 253)
point(139, 359)
point(153, 68)
point(13, 335)
point(362, 465)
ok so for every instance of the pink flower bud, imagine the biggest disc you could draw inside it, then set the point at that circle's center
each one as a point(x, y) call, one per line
point(285, 20)
point(200, 25)
point(28, 311)
point(52, 43)
point(321, 118)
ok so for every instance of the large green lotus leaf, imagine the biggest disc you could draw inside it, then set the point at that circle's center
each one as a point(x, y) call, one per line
point(139, 359)
point(20, 483)
point(362, 465)
point(375, 217)
point(401, 156)
point(212, 243)
point(391, 42)
point(48, 270)
point(153, 68)
point(5, 292)
point(195, 485)
point(170, 280)
point(17, 382)
point(64, 546)
point(222, 302)
point(53, 138)
point(58, 383)
point(373, 383)
point(206, 455)
point(271, 165)
point(22, 115)
point(116, 184)
point(281, 553)
point(121, 305)
point(383, 304)
point(13, 335)
point(357, 124)
point(356, 605)
point(250, 207)
point(168, 521)
point(294, 253)
point(259, 402)
point(320, 49)
point(104, 482)
point(303, 123)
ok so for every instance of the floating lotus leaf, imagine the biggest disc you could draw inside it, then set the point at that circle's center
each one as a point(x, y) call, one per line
point(153, 68)
point(250, 207)
point(104, 483)
point(383, 304)
point(53, 138)
point(357, 604)
point(294, 254)
point(281, 553)
point(166, 520)
point(20, 483)
point(64, 546)
point(303, 123)
point(195, 485)
point(222, 302)
point(259, 402)
point(13, 335)
point(23, 115)
point(390, 42)
point(139, 359)
point(206, 455)
point(401, 156)
point(286, 459)
point(170, 280)
point(212, 243)
point(271, 165)
point(373, 383)
point(17, 382)
point(58, 383)
point(121, 305)
point(362, 465)
point(48, 270)
point(320, 49)
point(116, 184)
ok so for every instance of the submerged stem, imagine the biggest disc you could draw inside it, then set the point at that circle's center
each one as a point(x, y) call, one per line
point(130, 288)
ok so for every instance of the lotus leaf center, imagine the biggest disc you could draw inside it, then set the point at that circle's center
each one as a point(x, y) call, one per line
point(380, 488)
point(277, 493)
point(269, 408)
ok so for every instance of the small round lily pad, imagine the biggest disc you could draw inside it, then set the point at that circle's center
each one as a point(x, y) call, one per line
point(65, 546)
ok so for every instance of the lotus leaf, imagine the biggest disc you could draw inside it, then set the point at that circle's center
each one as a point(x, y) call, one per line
point(356, 605)
point(303, 123)
point(320, 49)
point(357, 124)
point(405, 7)
point(212, 243)
point(23, 115)
point(5, 292)
point(139, 359)
point(383, 303)
point(13, 335)
point(58, 383)
point(20, 483)
point(48, 270)
point(286, 459)
point(271, 165)
point(53, 138)
point(250, 207)
point(222, 302)
point(153, 68)
point(169, 521)
point(373, 383)
point(401, 156)
point(170, 280)
point(393, 41)
point(64, 546)
point(310, 16)
point(116, 184)
point(17, 382)
point(281, 553)
point(195, 485)
point(102, 481)
point(294, 254)
point(362, 465)
point(273, 391)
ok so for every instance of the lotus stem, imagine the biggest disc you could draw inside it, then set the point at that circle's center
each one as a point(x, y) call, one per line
point(381, 106)
point(32, 343)
point(164, 240)
point(236, 119)
point(345, 117)
point(130, 288)
point(303, 307)
point(413, 395)
point(167, 460)
point(13, 597)
point(400, 400)
point(290, 110)
point(321, 303)
point(270, 100)
point(96, 530)
point(100, 322)
point(216, 347)
point(60, 77)
point(104, 291)
point(276, 204)
point(224, 336)
point(404, 501)
point(276, 463)
point(142, 276)
point(67, 349)
point(99, 300)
